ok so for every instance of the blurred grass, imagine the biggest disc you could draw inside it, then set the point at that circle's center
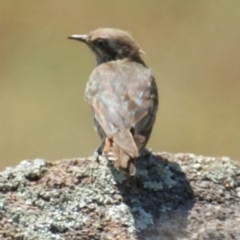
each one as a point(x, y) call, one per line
point(192, 47)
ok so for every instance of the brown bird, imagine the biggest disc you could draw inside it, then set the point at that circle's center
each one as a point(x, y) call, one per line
point(122, 94)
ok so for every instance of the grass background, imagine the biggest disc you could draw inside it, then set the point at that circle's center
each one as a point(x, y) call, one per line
point(193, 48)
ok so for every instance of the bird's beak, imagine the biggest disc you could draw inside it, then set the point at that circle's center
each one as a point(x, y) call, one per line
point(79, 37)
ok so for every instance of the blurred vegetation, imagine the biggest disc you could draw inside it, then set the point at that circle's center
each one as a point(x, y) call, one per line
point(193, 48)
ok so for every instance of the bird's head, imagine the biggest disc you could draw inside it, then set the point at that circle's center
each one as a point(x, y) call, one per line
point(109, 44)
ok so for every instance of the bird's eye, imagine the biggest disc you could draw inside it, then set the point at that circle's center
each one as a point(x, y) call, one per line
point(100, 42)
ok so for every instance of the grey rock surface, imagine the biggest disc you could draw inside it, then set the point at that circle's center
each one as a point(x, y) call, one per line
point(172, 196)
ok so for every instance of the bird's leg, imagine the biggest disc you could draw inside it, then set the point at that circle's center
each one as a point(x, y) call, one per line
point(131, 169)
point(99, 151)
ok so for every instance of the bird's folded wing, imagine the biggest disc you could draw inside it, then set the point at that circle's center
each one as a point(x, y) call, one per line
point(117, 128)
point(120, 102)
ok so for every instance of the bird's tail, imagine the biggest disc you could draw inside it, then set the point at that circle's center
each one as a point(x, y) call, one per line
point(121, 159)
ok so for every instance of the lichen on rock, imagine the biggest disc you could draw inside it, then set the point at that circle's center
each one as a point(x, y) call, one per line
point(172, 196)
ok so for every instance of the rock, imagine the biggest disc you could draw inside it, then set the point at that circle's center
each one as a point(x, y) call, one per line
point(172, 196)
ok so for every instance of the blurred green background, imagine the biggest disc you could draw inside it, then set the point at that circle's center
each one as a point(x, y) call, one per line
point(193, 48)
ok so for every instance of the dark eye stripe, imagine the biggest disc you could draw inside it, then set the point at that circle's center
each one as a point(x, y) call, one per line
point(101, 42)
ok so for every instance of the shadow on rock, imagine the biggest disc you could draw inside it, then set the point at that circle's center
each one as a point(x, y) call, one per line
point(159, 198)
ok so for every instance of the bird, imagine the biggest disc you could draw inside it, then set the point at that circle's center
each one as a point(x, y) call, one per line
point(122, 94)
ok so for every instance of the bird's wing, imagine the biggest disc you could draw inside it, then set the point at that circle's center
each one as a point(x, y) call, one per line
point(120, 96)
